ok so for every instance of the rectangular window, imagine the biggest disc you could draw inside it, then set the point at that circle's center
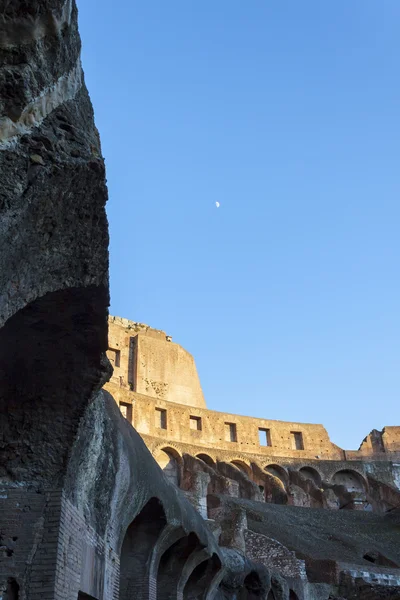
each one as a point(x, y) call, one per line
point(230, 432)
point(264, 437)
point(126, 411)
point(297, 440)
point(161, 418)
point(114, 357)
point(195, 423)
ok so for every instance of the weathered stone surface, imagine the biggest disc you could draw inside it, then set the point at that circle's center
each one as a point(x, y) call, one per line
point(53, 240)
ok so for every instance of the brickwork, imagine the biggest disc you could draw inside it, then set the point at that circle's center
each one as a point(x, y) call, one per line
point(273, 555)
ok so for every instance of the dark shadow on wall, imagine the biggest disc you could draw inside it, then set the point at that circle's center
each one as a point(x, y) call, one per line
point(140, 539)
point(52, 359)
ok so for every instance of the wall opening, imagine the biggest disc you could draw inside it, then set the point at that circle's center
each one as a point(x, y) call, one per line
point(83, 596)
point(311, 474)
point(253, 587)
point(201, 578)
point(139, 541)
point(230, 432)
point(114, 357)
point(126, 411)
point(161, 418)
point(297, 440)
point(264, 437)
point(171, 566)
point(351, 480)
point(293, 595)
point(12, 590)
point(170, 461)
point(195, 423)
point(206, 459)
point(239, 464)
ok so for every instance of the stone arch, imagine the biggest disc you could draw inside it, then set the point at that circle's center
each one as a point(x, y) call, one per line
point(172, 563)
point(311, 474)
point(140, 538)
point(242, 466)
point(206, 459)
point(203, 580)
point(278, 472)
point(351, 479)
point(170, 461)
point(253, 588)
point(275, 490)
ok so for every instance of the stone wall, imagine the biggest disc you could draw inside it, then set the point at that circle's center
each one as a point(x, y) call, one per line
point(213, 430)
point(147, 361)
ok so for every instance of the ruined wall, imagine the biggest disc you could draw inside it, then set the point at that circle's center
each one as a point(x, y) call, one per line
point(156, 385)
point(212, 429)
point(147, 361)
point(53, 240)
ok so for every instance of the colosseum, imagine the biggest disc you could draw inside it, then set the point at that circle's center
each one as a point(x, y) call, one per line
point(156, 385)
point(119, 483)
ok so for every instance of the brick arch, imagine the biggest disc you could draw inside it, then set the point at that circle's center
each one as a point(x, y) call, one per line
point(311, 473)
point(170, 461)
point(172, 564)
point(136, 575)
point(245, 467)
point(173, 448)
point(350, 473)
point(203, 580)
point(277, 471)
point(241, 458)
point(206, 458)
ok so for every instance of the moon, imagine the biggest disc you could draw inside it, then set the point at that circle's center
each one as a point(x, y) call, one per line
point(217, 204)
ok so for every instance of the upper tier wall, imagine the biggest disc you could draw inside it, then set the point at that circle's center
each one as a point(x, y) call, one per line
point(148, 362)
point(212, 429)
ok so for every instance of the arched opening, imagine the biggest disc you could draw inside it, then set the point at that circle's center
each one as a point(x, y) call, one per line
point(278, 472)
point(206, 459)
point(271, 595)
point(241, 465)
point(252, 587)
point(312, 475)
point(170, 462)
point(276, 480)
point(140, 538)
point(274, 490)
point(293, 595)
point(351, 480)
point(12, 590)
point(202, 579)
point(171, 565)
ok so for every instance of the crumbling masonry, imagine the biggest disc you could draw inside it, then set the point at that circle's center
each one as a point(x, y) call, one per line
point(86, 513)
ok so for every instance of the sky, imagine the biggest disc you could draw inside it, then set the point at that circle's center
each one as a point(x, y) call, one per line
point(287, 114)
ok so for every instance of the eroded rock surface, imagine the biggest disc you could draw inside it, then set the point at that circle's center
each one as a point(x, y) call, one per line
point(53, 239)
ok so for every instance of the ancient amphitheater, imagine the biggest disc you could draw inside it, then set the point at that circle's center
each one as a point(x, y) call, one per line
point(156, 385)
point(236, 508)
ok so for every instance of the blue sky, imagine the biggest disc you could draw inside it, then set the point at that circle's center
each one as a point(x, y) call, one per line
point(287, 113)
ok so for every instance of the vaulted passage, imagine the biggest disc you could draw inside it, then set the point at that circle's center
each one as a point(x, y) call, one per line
point(171, 566)
point(252, 588)
point(136, 578)
point(202, 579)
point(170, 462)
